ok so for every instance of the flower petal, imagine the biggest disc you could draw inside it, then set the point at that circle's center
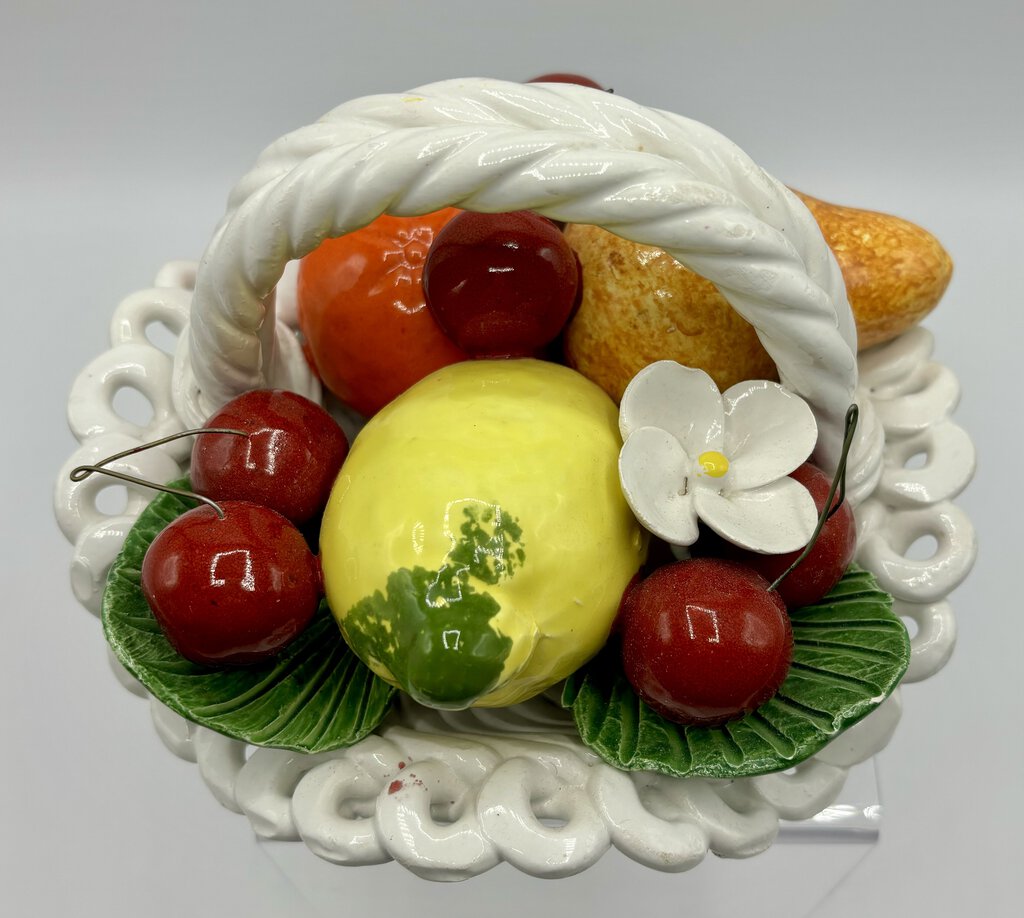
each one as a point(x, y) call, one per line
point(769, 431)
point(653, 468)
point(772, 519)
point(679, 399)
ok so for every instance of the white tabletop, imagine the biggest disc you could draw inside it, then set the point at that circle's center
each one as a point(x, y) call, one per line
point(125, 126)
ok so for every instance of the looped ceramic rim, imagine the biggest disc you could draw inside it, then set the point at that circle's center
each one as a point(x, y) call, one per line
point(571, 153)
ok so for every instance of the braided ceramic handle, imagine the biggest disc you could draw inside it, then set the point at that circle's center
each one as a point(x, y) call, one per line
point(571, 153)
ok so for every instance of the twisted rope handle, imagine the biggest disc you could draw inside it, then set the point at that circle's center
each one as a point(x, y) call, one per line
point(570, 153)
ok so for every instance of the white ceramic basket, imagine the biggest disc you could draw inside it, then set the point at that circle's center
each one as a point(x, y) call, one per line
point(515, 784)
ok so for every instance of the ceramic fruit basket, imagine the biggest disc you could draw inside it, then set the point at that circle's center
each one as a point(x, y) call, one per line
point(544, 760)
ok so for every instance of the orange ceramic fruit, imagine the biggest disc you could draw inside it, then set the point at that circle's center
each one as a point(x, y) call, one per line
point(363, 313)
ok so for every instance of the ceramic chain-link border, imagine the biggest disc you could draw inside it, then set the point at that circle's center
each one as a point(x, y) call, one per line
point(569, 152)
point(483, 785)
point(450, 805)
point(914, 398)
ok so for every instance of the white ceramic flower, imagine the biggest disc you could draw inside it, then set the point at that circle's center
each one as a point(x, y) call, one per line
point(691, 452)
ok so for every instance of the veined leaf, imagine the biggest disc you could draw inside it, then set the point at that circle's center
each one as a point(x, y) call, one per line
point(849, 652)
point(313, 696)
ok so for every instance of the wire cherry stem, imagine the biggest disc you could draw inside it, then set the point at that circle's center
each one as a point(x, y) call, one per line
point(838, 483)
point(84, 471)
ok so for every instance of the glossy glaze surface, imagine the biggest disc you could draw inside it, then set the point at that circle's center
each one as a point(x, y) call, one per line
point(911, 397)
point(911, 394)
point(477, 543)
point(690, 452)
point(363, 313)
point(501, 285)
point(570, 153)
point(288, 461)
point(231, 590)
point(704, 640)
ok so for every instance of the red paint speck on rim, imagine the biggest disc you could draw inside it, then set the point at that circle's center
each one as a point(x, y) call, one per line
point(395, 786)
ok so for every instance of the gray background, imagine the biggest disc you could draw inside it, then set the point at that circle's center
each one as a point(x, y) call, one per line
point(124, 126)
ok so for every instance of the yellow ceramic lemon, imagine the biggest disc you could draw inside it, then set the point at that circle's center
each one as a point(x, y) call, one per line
point(476, 543)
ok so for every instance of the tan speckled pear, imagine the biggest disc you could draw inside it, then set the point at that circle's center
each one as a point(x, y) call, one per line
point(639, 305)
point(895, 271)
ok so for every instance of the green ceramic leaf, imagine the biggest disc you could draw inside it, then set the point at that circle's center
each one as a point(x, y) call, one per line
point(849, 652)
point(314, 696)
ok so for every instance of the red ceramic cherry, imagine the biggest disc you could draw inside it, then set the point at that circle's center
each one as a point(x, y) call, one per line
point(501, 285)
point(704, 641)
point(288, 462)
point(567, 78)
point(828, 560)
point(234, 590)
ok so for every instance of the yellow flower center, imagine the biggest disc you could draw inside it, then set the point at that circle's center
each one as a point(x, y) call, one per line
point(713, 463)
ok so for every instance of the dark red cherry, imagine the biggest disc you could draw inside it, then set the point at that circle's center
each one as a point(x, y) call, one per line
point(501, 285)
point(828, 560)
point(705, 640)
point(288, 462)
point(566, 78)
point(234, 590)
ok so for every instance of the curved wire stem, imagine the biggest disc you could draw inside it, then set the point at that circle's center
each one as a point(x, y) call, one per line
point(838, 483)
point(84, 471)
